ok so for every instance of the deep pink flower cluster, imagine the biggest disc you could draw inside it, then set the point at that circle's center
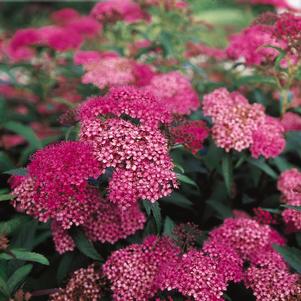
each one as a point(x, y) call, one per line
point(134, 269)
point(276, 3)
point(68, 34)
point(291, 122)
point(191, 134)
point(113, 10)
point(62, 240)
point(289, 184)
point(130, 101)
point(251, 45)
point(139, 155)
point(175, 92)
point(264, 217)
point(205, 50)
point(57, 183)
point(239, 125)
point(85, 284)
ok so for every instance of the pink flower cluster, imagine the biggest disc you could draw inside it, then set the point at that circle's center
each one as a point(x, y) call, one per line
point(289, 183)
point(175, 92)
point(134, 269)
point(85, 284)
point(276, 3)
point(114, 71)
point(238, 125)
point(291, 122)
point(113, 10)
point(139, 155)
point(70, 32)
point(191, 134)
point(252, 45)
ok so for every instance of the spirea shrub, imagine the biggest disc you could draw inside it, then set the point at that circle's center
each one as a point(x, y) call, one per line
point(150, 151)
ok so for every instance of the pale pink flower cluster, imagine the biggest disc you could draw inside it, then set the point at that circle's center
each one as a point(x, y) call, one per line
point(85, 284)
point(239, 125)
point(175, 92)
point(62, 240)
point(133, 270)
point(289, 183)
point(113, 10)
point(252, 44)
point(112, 70)
point(139, 155)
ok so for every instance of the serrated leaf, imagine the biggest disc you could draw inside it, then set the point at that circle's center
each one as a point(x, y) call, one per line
point(86, 246)
point(264, 167)
point(24, 131)
point(291, 255)
point(18, 276)
point(6, 197)
point(17, 172)
point(24, 255)
point(185, 179)
point(227, 171)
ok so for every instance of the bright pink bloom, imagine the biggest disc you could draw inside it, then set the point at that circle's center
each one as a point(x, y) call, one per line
point(57, 184)
point(108, 223)
point(64, 16)
point(133, 270)
point(194, 275)
point(289, 183)
point(143, 74)
point(175, 92)
point(111, 10)
point(246, 236)
point(85, 284)
point(292, 217)
point(268, 139)
point(250, 44)
point(62, 240)
point(291, 122)
point(202, 49)
point(272, 284)
point(191, 134)
point(127, 101)
point(139, 154)
point(86, 26)
point(234, 119)
point(83, 57)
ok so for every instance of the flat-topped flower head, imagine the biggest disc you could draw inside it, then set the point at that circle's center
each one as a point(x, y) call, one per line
point(57, 183)
point(132, 271)
point(175, 92)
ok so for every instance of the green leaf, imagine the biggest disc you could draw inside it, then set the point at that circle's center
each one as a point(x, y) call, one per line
point(64, 267)
point(264, 167)
point(86, 246)
point(177, 199)
point(291, 255)
point(24, 255)
point(282, 164)
point(227, 171)
point(6, 197)
point(4, 287)
point(17, 172)
point(5, 162)
point(154, 210)
point(24, 131)
point(169, 225)
point(18, 276)
point(297, 208)
point(186, 179)
point(13, 224)
point(220, 208)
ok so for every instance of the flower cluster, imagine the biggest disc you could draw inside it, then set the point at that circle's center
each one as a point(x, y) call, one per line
point(289, 183)
point(133, 270)
point(238, 125)
point(175, 92)
point(191, 134)
point(291, 122)
point(138, 154)
point(85, 284)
